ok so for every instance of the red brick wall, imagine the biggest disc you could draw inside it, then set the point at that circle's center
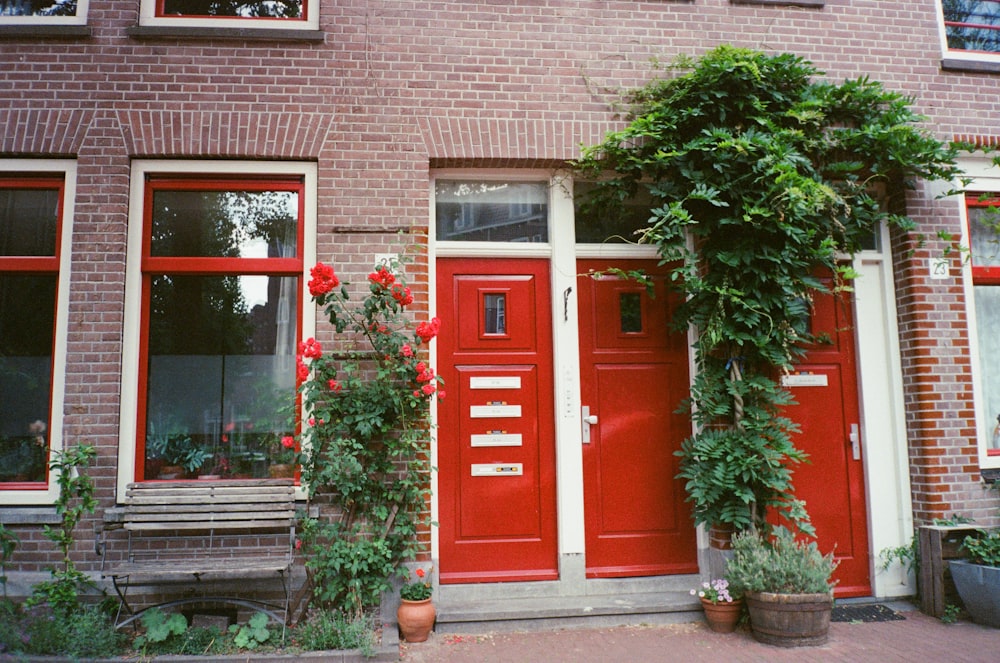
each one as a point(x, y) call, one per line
point(399, 87)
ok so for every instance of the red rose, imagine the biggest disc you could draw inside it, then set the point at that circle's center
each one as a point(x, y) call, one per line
point(428, 330)
point(323, 280)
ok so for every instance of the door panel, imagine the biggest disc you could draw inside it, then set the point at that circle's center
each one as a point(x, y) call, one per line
point(634, 374)
point(496, 440)
point(832, 484)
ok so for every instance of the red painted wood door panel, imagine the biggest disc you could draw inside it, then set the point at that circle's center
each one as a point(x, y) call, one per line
point(496, 439)
point(832, 483)
point(634, 374)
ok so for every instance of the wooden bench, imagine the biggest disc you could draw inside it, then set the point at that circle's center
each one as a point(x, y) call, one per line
point(198, 532)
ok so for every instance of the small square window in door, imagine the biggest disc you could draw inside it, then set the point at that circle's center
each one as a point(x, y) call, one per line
point(494, 309)
point(630, 312)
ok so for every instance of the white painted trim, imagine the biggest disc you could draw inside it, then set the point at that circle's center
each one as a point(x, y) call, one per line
point(66, 168)
point(133, 277)
point(147, 17)
point(80, 18)
point(566, 371)
point(883, 422)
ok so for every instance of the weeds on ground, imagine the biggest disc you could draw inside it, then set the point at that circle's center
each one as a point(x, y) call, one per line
point(333, 629)
point(85, 633)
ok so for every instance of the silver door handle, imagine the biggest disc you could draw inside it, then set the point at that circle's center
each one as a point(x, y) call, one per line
point(588, 421)
point(856, 441)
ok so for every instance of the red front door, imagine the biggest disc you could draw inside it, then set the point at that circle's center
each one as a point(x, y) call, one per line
point(496, 440)
point(832, 483)
point(634, 374)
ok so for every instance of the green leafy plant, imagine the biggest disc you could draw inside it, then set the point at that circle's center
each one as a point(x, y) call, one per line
point(253, 634)
point(76, 499)
point(335, 629)
point(908, 556)
point(85, 634)
point(170, 634)
point(983, 549)
point(950, 614)
point(418, 590)
point(779, 564)
point(8, 543)
point(366, 445)
point(761, 179)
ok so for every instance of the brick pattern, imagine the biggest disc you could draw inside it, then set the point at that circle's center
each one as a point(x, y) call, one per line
point(400, 87)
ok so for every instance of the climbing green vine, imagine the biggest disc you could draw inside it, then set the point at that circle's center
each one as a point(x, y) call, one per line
point(763, 179)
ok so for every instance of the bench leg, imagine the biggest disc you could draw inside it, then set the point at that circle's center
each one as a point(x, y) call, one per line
point(121, 590)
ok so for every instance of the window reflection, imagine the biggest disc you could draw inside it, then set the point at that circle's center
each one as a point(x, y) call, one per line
point(471, 211)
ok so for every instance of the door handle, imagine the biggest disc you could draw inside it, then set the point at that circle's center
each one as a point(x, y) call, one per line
point(588, 420)
point(856, 441)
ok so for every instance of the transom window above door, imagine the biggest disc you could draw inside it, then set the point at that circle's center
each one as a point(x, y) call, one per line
point(485, 211)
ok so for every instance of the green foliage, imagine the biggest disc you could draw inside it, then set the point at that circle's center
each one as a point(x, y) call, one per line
point(365, 449)
point(908, 556)
point(418, 590)
point(953, 520)
point(8, 543)
point(983, 549)
point(170, 634)
point(76, 499)
point(252, 634)
point(762, 179)
point(87, 633)
point(951, 613)
point(335, 629)
point(779, 565)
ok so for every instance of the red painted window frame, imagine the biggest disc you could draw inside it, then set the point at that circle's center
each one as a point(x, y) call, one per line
point(206, 266)
point(41, 265)
point(306, 7)
point(977, 26)
point(983, 275)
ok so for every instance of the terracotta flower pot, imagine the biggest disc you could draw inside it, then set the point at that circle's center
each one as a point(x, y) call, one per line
point(722, 617)
point(416, 619)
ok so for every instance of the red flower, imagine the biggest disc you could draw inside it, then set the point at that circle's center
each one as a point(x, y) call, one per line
point(441, 394)
point(288, 441)
point(333, 385)
point(383, 277)
point(301, 370)
point(311, 349)
point(420, 573)
point(428, 388)
point(406, 350)
point(323, 280)
point(428, 330)
point(402, 295)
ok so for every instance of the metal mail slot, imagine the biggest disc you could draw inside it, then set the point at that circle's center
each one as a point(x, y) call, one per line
point(497, 440)
point(491, 411)
point(497, 469)
point(497, 382)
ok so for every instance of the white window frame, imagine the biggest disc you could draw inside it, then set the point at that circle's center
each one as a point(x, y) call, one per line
point(984, 177)
point(959, 54)
point(148, 18)
point(67, 169)
point(80, 19)
point(132, 336)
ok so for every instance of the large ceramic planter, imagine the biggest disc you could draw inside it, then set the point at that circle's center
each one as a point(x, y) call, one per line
point(722, 617)
point(790, 620)
point(979, 588)
point(416, 619)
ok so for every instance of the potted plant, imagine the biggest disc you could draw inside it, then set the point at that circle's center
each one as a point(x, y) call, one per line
point(977, 579)
point(416, 612)
point(722, 609)
point(786, 584)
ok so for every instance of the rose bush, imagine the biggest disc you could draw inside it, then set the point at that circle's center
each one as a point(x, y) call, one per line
point(365, 450)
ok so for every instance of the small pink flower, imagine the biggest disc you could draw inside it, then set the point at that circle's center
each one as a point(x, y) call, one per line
point(406, 350)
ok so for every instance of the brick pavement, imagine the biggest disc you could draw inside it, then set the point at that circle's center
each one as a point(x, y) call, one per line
point(916, 639)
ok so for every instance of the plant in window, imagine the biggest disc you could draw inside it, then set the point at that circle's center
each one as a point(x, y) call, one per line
point(365, 448)
point(761, 180)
